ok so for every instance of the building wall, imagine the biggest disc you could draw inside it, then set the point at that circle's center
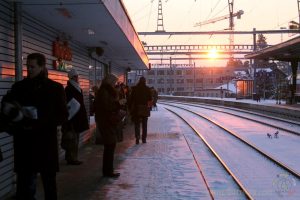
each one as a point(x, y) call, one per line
point(37, 37)
point(188, 80)
point(7, 67)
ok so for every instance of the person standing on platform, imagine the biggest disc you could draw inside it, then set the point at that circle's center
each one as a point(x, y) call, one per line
point(140, 99)
point(107, 118)
point(39, 106)
point(77, 120)
point(154, 98)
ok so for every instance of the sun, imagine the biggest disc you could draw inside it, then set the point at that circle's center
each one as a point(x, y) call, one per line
point(213, 54)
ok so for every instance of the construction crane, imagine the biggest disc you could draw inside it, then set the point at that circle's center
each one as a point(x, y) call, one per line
point(210, 21)
point(230, 16)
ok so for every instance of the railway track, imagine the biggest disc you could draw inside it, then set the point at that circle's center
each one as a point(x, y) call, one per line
point(296, 125)
point(286, 169)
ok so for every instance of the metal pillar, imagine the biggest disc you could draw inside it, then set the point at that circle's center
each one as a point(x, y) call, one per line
point(171, 78)
point(254, 62)
point(18, 41)
point(294, 65)
point(194, 79)
point(298, 2)
point(231, 24)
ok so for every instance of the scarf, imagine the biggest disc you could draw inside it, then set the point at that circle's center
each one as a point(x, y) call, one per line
point(75, 85)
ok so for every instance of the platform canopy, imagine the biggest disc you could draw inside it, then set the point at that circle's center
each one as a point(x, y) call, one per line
point(93, 23)
point(286, 51)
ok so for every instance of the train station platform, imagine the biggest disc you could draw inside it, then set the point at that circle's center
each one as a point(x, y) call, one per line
point(163, 168)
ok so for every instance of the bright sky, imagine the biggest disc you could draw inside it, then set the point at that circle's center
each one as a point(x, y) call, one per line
point(181, 15)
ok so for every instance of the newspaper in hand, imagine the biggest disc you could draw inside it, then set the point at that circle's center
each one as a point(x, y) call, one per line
point(73, 108)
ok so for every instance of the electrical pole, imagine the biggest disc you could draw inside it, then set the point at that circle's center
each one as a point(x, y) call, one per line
point(231, 24)
point(298, 2)
point(160, 19)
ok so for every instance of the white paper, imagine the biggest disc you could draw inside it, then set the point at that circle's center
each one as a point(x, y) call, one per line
point(30, 112)
point(73, 108)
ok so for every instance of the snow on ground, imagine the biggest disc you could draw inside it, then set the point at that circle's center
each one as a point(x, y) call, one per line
point(163, 168)
point(284, 148)
point(258, 175)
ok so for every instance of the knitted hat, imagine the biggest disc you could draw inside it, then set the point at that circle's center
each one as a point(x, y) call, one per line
point(72, 73)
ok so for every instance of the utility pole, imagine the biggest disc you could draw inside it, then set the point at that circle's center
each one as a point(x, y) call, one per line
point(194, 79)
point(231, 24)
point(298, 2)
point(171, 78)
point(254, 62)
point(160, 19)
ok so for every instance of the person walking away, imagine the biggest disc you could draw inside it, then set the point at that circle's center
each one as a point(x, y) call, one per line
point(140, 108)
point(41, 107)
point(107, 117)
point(77, 120)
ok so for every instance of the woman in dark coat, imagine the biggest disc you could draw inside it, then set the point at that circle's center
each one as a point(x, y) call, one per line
point(77, 123)
point(43, 104)
point(107, 106)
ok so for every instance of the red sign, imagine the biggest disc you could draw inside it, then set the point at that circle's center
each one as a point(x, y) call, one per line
point(61, 50)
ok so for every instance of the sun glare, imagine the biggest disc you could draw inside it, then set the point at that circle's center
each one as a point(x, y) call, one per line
point(213, 54)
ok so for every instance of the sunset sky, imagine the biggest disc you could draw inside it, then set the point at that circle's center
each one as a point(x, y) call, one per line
point(182, 15)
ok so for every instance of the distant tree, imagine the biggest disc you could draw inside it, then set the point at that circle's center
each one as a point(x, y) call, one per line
point(234, 63)
point(261, 42)
point(246, 64)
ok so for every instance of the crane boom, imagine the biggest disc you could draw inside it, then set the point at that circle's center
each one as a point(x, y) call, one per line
point(237, 14)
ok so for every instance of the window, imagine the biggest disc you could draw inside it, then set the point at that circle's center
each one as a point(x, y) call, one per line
point(160, 72)
point(178, 72)
point(189, 72)
point(151, 81)
point(180, 89)
point(170, 72)
point(199, 80)
point(179, 81)
point(160, 81)
point(189, 80)
point(151, 72)
point(161, 90)
point(170, 81)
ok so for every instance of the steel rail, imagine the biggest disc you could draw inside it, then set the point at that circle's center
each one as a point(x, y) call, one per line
point(257, 121)
point(238, 182)
point(199, 168)
point(242, 110)
point(285, 167)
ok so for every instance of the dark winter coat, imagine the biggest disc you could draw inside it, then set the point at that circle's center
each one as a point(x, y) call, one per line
point(106, 105)
point(80, 121)
point(140, 95)
point(35, 144)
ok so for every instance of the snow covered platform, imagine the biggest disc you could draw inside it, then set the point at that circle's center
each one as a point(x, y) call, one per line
point(163, 168)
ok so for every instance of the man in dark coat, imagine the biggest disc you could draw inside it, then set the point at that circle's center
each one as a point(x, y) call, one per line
point(140, 95)
point(107, 109)
point(42, 104)
point(77, 121)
